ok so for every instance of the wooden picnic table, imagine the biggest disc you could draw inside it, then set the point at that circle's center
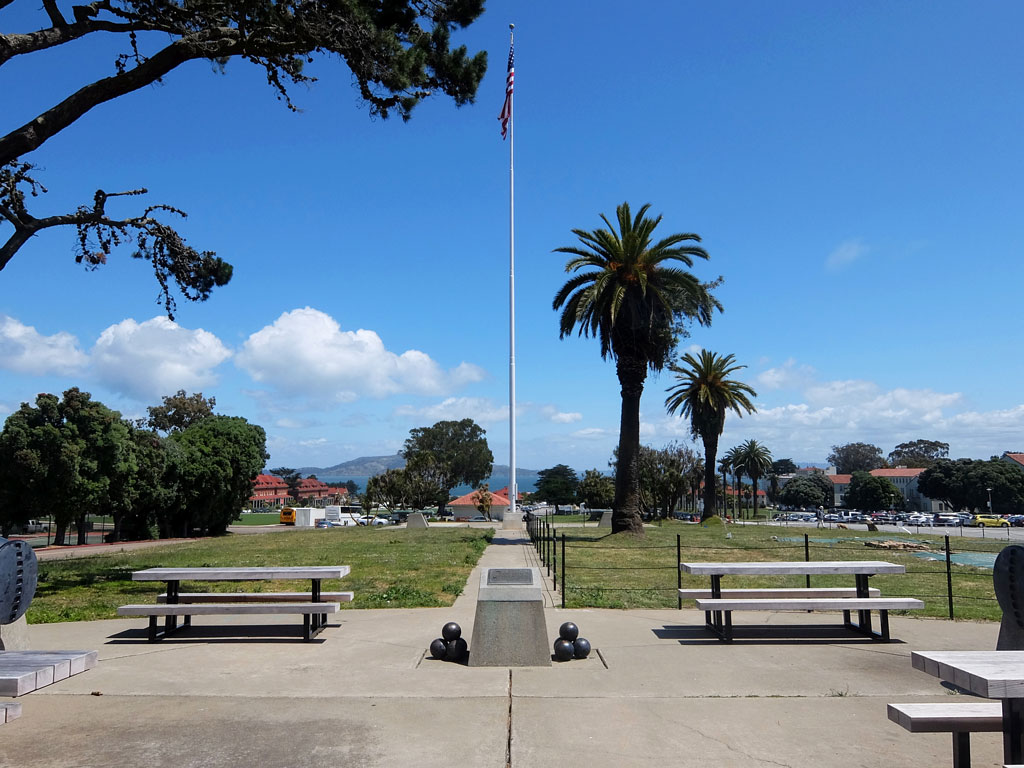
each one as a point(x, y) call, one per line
point(718, 613)
point(990, 674)
point(173, 577)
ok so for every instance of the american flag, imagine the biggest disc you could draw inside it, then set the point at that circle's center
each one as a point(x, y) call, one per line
point(506, 108)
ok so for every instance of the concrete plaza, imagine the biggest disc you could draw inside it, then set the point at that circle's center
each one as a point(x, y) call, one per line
point(793, 690)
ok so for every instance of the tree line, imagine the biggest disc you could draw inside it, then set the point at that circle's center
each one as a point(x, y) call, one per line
point(181, 471)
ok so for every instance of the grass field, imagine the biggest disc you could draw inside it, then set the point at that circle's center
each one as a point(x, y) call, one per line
point(258, 518)
point(391, 568)
point(623, 571)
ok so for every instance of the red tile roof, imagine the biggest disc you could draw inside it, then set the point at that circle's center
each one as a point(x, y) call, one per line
point(470, 500)
point(840, 479)
point(900, 472)
point(1018, 457)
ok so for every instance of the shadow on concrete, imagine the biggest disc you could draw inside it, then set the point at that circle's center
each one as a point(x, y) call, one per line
point(233, 633)
point(765, 635)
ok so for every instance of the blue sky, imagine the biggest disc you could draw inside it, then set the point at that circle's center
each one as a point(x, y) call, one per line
point(854, 171)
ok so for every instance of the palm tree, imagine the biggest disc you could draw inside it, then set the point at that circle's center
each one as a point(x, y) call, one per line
point(629, 294)
point(734, 460)
point(725, 468)
point(757, 461)
point(704, 393)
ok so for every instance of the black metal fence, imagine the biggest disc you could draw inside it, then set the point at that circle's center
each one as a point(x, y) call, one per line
point(561, 553)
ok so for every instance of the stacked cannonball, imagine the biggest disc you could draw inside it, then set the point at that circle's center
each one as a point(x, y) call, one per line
point(451, 646)
point(569, 644)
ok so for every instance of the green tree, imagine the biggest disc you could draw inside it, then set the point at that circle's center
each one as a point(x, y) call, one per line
point(802, 492)
point(448, 454)
point(784, 467)
point(918, 453)
point(964, 484)
point(733, 460)
point(664, 476)
point(557, 485)
point(221, 457)
point(704, 393)
point(827, 488)
point(757, 461)
point(630, 293)
point(871, 493)
point(178, 411)
point(397, 53)
point(596, 490)
point(389, 489)
point(855, 457)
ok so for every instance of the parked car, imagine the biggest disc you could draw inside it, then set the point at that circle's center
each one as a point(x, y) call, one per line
point(919, 519)
point(988, 521)
point(1016, 521)
point(368, 520)
point(321, 523)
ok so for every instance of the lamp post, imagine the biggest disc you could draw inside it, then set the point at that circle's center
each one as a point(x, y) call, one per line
point(989, 500)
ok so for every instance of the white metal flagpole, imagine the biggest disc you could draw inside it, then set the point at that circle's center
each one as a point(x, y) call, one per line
point(507, 123)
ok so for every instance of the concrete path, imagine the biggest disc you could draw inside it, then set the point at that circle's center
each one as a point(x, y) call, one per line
point(657, 691)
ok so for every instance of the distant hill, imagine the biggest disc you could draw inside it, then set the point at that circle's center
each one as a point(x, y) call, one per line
point(364, 465)
point(367, 466)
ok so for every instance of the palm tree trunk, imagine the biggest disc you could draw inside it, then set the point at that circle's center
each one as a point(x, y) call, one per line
point(710, 450)
point(626, 510)
point(753, 481)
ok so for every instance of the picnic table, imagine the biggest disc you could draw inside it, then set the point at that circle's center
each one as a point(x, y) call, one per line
point(718, 607)
point(177, 603)
point(990, 674)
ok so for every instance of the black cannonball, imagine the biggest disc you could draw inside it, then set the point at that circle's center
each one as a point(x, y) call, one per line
point(451, 631)
point(581, 647)
point(457, 649)
point(563, 649)
point(438, 648)
point(568, 631)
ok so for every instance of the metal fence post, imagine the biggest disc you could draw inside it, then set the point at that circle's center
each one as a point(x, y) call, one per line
point(679, 571)
point(563, 570)
point(807, 558)
point(554, 558)
point(949, 578)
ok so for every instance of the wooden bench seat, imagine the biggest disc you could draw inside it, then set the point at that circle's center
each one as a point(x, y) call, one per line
point(9, 710)
point(188, 610)
point(959, 718)
point(718, 611)
point(693, 594)
point(256, 597)
point(811, 604)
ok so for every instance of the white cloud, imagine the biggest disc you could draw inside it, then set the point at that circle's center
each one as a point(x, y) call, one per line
point(306, 353)
point(594, 433)
point(24, 350)
point(845, 253)
point(566, 418)
point(787, 376)
point(479, 409)
point(155, 358)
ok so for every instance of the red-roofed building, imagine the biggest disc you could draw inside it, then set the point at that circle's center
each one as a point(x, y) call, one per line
point(905, 480)
point(465, 507)
point(321, 493)
point(504, 492)
point(268, 491)
point(1014, 458)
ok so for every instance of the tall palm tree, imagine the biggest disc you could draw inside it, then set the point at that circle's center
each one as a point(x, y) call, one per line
point(734, 460)
point(704, 393)
point(724, 467)
point(629, 293)
point(757, 461)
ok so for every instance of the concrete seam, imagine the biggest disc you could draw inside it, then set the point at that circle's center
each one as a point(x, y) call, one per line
point(508, 742)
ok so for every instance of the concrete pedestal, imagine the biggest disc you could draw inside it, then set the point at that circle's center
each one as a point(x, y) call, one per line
point(509, 628)
point(606, 519)
point(14, 637)
point(416, 520)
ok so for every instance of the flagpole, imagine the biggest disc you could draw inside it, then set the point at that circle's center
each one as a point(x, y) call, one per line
point(512, 484)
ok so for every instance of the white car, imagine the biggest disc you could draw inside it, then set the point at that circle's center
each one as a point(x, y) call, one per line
point(921, 520)
point(367, 520)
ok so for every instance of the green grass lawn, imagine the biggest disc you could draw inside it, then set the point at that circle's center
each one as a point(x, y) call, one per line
point(623, 571)
point(258, 518)
point(391, 568)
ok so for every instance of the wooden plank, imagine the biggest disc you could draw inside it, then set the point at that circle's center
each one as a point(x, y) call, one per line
point(812, 604)
point(693, 594)
point(226, 609)
point(9, 710)
point(946, 717)
point(801, 568)
point(257, 597)
point(242, 574)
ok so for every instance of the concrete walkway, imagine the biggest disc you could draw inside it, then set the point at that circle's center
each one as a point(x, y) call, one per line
point(657, 691)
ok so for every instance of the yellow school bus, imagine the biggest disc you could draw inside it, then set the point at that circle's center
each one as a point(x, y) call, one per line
point(287, 516)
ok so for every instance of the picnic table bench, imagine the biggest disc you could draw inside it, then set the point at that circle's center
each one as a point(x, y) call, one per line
point(720, 604)
point(959, 718)
point(313, 606)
